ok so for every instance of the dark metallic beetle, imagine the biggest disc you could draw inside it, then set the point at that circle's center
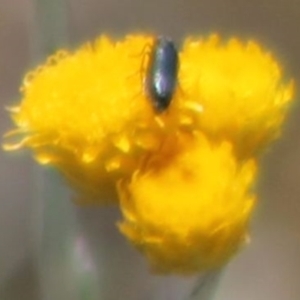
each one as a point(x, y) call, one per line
point(161, 77)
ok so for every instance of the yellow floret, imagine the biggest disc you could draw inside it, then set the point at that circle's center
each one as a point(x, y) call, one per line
point(191, 215)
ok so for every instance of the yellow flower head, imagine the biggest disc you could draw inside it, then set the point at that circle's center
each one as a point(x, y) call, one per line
point(184, 176)
point(192, 214)
point(240, 88)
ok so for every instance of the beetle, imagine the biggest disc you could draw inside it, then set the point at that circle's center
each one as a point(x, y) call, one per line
point(161, 73)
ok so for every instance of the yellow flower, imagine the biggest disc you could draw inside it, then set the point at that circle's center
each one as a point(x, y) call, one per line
point(192, 214)
point(240, 88)
point(185, 176)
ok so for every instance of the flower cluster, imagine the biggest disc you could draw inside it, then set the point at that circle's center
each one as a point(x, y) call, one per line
point(184, 177)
